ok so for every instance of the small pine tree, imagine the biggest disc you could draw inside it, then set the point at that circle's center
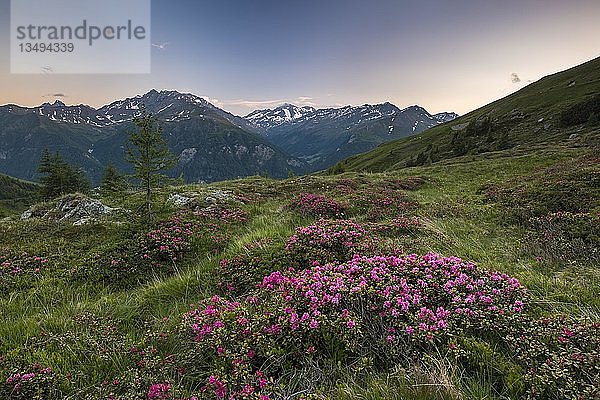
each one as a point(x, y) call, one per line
point(150, 156)
point(113, 182)
point(60, 177)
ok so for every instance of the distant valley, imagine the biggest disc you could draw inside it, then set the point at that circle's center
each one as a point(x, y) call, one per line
point(322, 137)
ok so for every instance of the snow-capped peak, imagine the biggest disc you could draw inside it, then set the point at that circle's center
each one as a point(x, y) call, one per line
point(284, 113)
point(445, 116)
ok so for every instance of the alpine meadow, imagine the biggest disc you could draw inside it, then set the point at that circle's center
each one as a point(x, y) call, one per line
point(160, 247)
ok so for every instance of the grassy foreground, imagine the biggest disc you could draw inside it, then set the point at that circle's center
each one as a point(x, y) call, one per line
point(125, 308)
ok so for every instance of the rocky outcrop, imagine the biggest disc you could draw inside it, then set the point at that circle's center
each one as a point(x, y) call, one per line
point(75, 208)
point(195, 200)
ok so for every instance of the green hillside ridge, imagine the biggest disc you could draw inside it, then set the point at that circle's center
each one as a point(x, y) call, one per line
point(559, 109)
point(16, 194)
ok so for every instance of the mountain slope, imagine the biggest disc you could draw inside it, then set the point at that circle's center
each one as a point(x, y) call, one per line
point(324, 136)
point(16, 194)
point(553, 110)
point(211, 143)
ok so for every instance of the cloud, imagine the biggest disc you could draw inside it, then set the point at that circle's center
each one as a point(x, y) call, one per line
point(515, 78)
point(245, 104)
point(213, 101)
point(47, 69)
point(161, 45)
point(254, 103)
point(55, 95)
point(305, 101)
point(251, 105)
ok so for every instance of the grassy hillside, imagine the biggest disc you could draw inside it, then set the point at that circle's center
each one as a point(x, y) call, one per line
point(125, 308)
point(16, 194)
point(560, 109)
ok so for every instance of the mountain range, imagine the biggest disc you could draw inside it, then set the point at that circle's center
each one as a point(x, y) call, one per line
point(322, 137)
point(211, 143)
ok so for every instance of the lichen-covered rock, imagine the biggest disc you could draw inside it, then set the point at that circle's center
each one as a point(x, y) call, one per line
point(75, 207)
point(217, 196)
point(178, 200)
point(194, 200)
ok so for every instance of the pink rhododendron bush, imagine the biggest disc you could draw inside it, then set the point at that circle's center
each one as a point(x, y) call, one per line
point(316, 205)
point(363, 312)
point(327, 241)
point(338, 303)
point(19, 270)
point(158, 251)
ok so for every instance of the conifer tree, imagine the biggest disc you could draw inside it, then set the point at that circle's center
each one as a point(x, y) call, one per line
point(113, 182)
point(150, 156)
point(60, 177)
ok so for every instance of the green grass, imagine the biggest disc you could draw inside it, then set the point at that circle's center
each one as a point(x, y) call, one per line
point(460, 222)
point(16, 195)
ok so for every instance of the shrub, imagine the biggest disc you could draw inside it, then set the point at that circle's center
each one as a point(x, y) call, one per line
point(560, 357)
point(160, 250)
point(168, 241)
point(327, 241)
point(382, 308)
point(316, 205)
point(561, 237)
point(240, 274)
point(19, 270)
point(34, 383)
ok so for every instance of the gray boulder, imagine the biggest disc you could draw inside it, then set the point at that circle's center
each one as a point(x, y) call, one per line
point(77, 208)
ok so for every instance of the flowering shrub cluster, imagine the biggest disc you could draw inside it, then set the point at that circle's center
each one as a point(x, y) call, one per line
point(14, 269)
point(562, 236)
point(297, 317)
point(140, 364)
point(324, 241)
point(328, 241)
point(159, 391)
point(158, 250)
point(169, 240)
point(134, 259)
point(33, 383)
point(416, 296)
point(316, 205)
point(240, 274)
point(560, 357)
point(21, 264)
point(346, 185)
point(226, 336)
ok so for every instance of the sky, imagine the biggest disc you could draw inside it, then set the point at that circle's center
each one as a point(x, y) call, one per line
point(243, 55)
